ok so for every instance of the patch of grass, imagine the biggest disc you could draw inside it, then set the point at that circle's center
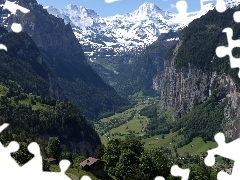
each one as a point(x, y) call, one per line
point(75, 171)
point(40, 106)
point(129, 122)
point(197, 146)
point(79, 173)
point(168, 141)
point(136, 124)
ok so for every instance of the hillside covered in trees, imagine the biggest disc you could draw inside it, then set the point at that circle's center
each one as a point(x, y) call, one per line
point(65, 58)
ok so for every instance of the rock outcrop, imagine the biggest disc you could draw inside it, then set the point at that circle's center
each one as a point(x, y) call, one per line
point(65, 58)
point(191, 77)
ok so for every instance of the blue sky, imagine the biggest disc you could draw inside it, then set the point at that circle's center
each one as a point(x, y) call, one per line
point(119, 7)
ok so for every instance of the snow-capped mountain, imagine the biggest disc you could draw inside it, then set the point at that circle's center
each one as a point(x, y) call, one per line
point(120, 33)
point(127, 34)
point(232, 3)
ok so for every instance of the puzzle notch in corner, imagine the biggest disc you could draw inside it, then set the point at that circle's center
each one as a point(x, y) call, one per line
point(13, 8)
point(226, 150)
point(31, 170)
point(222, 51)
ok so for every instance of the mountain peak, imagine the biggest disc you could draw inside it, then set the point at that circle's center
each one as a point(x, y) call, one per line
point(83, 12)
point(232, 3)
point(148, 4)
point(147, 8)
point(71, 7)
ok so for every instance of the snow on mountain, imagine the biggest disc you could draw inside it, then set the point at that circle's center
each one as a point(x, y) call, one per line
point(120, 33)
point(182, 22)
point(232, 3)
point(127, 33)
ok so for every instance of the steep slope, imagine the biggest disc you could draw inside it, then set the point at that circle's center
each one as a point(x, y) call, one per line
point(23, 63)
point(65, 57)
point(193, 73)
point(36, 118)
point(114, 43)
point(119, 32)
point(140, 76)
point(128, 32)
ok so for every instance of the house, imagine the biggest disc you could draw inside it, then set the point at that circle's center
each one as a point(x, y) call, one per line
point(95, 166)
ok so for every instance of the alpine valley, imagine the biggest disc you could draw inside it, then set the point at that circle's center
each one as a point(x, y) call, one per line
point(139, 92)
point(113, 43)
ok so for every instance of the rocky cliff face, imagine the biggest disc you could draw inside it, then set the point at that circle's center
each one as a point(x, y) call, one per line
point(23, 63)
point(141, 74)
point(180, 87)
point(188, 79)
point(65, 58)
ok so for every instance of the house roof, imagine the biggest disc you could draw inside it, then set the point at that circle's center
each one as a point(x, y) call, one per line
point(50, 159)
point(89, 161)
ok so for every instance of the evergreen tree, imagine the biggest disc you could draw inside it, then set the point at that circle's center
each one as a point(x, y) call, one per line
point(54, 149)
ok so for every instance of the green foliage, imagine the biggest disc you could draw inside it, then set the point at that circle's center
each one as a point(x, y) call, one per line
point(46, 166)
point(111, 155)
point(150, 111)
point(200, 52)
point(99, 152)
point(155, 163)
point(202, 172)
point(20, 64)
point(48, 118)
point(95, 101)
point(204, 120)
point(25, 64)
point(22, 156)
point(54, 149)
point(128, 160)
point(160, 122)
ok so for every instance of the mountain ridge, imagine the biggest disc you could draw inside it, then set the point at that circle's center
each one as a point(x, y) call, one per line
point(130, 31)
point(193, 76)
point(115, 42)
point(65, 58)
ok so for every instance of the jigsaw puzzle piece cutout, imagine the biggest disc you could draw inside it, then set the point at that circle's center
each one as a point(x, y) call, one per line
point(223, 51)
point(177, 171)
point(226, 150)
point(17, 28)
point(221, 6)
point(224, 176)
point(3, 47)
point(40, 174)
point(5, 153)
point(13, 8)
point(64, 165)
point(88, 178)
point(182, 7)
point(210, 158)
point(36, 161)
point(236, 16)
point(9, 165)
point(51, 175)
point(3, 126)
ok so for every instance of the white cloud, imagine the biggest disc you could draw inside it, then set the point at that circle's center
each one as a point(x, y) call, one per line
point(111, 1)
